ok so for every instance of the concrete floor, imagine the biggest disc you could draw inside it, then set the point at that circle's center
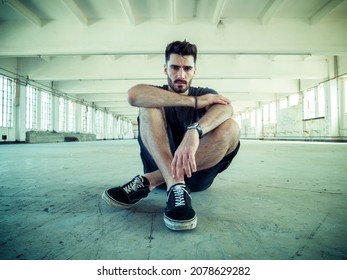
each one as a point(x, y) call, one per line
point(278, 200)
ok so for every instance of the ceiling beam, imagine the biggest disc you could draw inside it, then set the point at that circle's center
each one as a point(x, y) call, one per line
point(173, 10)
point(76, 11)
point(270, 10)
point(324, 11)
point(218, 12)
point(126, 5)
point(288, 37)
point(25, 11)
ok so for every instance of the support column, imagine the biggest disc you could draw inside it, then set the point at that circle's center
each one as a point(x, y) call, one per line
point(259, 133)
point(333, 99)
point(19, 112)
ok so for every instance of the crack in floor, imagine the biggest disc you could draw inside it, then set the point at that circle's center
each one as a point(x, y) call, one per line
point(293, 189)
point(150, 237)
point(300, 251)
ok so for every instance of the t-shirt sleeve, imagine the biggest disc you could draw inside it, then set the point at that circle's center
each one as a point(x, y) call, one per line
point(206, 90)
point(164, 87)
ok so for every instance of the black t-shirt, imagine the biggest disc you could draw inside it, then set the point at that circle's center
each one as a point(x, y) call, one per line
point(178, 118)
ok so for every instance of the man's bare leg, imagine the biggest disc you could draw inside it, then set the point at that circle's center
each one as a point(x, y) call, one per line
point(213, 146)
point(218, 143)
point(154, 136)
point(178, 214)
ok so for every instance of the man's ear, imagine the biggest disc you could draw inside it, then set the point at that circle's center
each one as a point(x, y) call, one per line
point(165, 69)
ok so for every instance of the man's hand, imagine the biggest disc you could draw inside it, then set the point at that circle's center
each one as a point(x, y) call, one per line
point(184, 158)
point(210, 99)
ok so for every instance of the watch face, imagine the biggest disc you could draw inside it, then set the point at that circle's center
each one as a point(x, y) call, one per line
point(197, 127)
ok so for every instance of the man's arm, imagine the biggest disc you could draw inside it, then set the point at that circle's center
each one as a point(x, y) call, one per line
point(184, 157)
point(215, 115)
point(148, 96)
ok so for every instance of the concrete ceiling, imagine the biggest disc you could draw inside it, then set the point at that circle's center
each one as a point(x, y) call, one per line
point(251, 51)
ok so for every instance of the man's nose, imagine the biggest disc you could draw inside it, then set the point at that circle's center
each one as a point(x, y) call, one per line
point(181, 73)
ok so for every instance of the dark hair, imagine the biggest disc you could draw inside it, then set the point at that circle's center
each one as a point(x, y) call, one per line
point(180, 48)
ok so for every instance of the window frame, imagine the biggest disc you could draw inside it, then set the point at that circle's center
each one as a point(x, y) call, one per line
point(7, 90)
point(31, 108)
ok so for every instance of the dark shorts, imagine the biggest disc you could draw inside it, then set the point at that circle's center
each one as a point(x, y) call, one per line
point(200, 180)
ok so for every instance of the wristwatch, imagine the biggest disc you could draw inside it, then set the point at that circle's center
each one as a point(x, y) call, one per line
point(197, 127)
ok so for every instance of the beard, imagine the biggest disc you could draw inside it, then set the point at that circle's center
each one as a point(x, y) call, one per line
point(181, 88)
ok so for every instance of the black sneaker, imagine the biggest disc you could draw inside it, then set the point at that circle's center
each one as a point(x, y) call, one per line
point(179, 214)
point(129, 194)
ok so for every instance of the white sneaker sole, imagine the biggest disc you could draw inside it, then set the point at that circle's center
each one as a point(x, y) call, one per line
point(180, 225)
point(116, 204)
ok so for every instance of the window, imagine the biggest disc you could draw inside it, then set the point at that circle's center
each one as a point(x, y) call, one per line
point(266, 116)
point(71, 115)
point(89, 120)
point(253, 118)
point(31, 107)
point(309, 104)
point(293, 100)
point(259, 117)
point(314, 102)
point(62, 114)
point(272, 115)
point(284, 103)
point(46, 111)
point(269, 113)
point(110, 123)
point(321, 100)
point(99, 122)
point(86, 117)
point(6, 102)
point(118, 122)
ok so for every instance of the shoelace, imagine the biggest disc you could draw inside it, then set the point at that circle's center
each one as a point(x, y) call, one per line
point(179, 196)
point(133, 185)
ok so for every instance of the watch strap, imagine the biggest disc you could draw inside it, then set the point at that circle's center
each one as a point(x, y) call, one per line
point(197, 127)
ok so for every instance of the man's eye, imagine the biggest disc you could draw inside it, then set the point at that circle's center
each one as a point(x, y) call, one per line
point(174, 67)
point(187, 68)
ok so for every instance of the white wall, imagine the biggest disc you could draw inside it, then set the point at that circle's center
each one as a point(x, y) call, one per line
point(290, 122)
point(111, 128)
point(342, 69)
point(11, 65)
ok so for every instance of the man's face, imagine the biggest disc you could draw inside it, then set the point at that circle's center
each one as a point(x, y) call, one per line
point(180, 71)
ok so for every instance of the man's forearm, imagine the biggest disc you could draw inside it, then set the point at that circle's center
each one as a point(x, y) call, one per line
point(152, 97)
point(215, 115)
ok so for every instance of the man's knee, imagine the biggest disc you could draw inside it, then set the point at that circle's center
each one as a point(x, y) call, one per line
point(151, 115)
point(227, 134)
point(234, 129)
point(228, 130)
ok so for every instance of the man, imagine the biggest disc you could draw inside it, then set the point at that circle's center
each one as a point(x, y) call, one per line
point(186, 136)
